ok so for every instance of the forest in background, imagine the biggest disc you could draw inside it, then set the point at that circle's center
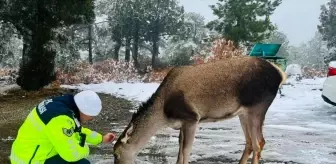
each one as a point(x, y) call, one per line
point(69, 42)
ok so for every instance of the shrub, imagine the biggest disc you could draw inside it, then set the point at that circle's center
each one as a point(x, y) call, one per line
point(9, 76)
point(311, 73)
point(107, 70)
point(221, 49)
point(156, 75)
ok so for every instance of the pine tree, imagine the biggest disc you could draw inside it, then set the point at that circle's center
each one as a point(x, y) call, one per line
point(36, 21)
point(244, 21)
point(164, 18)
point(327, 28)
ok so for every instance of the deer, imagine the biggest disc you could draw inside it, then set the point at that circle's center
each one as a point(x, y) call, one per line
point(205, 93)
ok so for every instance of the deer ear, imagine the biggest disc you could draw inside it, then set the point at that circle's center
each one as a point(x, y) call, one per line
point(127, 134)
point(129, 130)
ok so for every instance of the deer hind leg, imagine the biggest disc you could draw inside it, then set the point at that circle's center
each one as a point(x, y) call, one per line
point(180, 154)
point(248, 146)
point(256, 117)
point(186, 140)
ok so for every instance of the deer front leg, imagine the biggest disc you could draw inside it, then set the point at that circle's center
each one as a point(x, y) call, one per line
point(186, 140)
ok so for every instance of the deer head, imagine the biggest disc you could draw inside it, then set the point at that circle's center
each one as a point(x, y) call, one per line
point(123, 153)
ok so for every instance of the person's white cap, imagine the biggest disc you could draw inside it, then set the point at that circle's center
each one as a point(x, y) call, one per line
point(88, 102)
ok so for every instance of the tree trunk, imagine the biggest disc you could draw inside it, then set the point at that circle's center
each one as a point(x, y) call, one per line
point(155, 40)
point(155, 52)
point(116, 50)
point(90, 44)
point(27, 40)
point(136, 52)
point(135, 55)
point(128, 50)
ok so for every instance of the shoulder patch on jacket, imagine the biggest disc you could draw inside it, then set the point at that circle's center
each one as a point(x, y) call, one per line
point(68, 132)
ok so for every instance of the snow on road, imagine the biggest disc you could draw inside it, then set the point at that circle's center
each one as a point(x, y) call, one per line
point(299, 128)
point(130, 91)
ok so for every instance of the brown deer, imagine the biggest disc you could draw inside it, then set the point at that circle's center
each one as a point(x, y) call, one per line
point(210, 92)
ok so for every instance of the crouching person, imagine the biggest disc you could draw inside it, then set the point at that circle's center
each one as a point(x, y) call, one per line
point(52, 132)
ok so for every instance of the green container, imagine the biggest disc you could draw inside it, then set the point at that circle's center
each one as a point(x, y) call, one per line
point(269, 52)
point(265, 50)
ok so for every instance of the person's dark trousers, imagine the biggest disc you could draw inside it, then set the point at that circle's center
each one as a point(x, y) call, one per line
point(58, 160)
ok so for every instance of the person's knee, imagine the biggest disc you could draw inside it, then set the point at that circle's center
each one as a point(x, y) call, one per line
point(58, 160)
point(83, 161)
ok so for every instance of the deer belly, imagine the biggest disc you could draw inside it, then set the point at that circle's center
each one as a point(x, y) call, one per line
point(221, 114)
point(176, 125)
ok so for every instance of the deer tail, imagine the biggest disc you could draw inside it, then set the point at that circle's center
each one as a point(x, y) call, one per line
point(282, 73)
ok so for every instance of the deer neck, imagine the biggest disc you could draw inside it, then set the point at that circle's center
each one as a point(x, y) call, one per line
point(143, 127)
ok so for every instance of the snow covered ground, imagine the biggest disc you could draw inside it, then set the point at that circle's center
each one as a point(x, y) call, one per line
point(299, 128)
point(4, 87)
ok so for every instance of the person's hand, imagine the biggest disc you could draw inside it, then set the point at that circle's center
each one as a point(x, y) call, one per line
point(109, 137)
